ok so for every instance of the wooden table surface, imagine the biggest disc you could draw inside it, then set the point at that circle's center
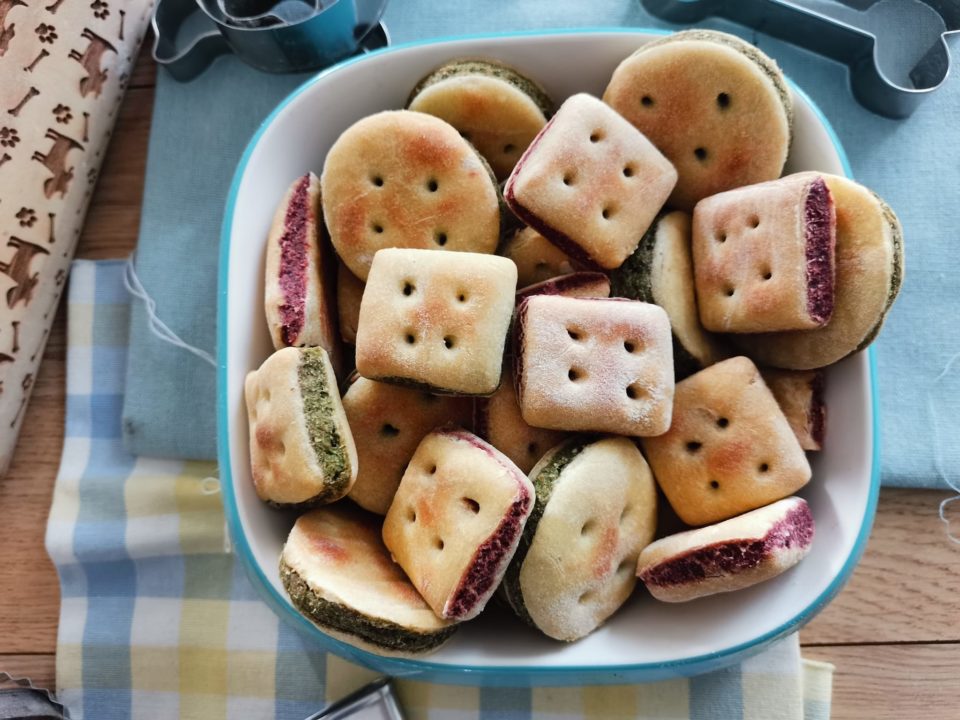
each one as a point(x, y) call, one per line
point(893, 632)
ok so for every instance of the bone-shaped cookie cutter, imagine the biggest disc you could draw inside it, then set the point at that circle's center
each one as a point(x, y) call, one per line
point(836, 30)
point(275, 36)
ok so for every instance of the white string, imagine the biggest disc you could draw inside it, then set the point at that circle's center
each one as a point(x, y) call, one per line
point(937, 455)
point(157, 326)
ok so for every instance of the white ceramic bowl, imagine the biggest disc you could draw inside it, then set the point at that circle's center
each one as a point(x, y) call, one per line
point(646, 640)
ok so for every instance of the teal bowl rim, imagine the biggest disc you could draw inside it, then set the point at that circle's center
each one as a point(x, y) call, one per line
point(503, 675)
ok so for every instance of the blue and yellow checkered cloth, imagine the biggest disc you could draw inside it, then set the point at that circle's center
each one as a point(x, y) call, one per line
point(159, 621)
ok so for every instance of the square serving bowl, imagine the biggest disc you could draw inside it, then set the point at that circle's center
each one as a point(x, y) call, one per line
point(647, 640)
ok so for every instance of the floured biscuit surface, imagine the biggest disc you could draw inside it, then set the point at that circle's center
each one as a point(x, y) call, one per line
point(594, 365)
point(349, 294)
point(493, 106)
point(301, 448)
point(717, 107)
point(339, 574)
point(436, 320)
point(729, 448)
point(590, 183)
point(537, 259)
point(500, 423)
point(596, 509)
point(730, 555)
point(298, 292)
point(869, 272)
point(388, 422)
point(405, 179)
point(800, 394)
point(763, 256)
point(456, 520)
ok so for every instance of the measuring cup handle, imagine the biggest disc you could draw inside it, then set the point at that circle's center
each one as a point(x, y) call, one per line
point(185, 57)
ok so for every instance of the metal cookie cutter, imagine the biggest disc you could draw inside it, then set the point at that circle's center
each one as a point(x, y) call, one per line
point(848, 32)
point(277, 36)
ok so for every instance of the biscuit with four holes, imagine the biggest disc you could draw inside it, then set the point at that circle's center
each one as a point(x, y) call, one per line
point(298, 278)
point(590, 183)
point(661, 272)
point(600, 365)
point(338, 573)
point(716, 106)
point(436, 320)
point(763, 256)
point(730, 555)
point(869, 273)
point(405, 179)
point(595, 510)
point(456, 520)
point(301, 449)
point(500, 423)
point(388, 422)
point(537, 258)
point(800, 394)
point(493, 106)
point(729, 448)
point(349, 294)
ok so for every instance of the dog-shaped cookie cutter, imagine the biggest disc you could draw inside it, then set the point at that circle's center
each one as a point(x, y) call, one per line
point(277, 36)
point(835, 30)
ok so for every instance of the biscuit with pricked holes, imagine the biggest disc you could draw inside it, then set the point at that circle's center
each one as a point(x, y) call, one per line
point(338, 573)
point(730, 555)
point(456, 520)
point(596, 509)
point(500, 423)
point(800, 394)
point(716, 106)
point(349, 294)
point(406, 179)
point(301, 449)
point(496, 108)
point(388, 422)
point(763, 256)
point(298, 277)
point(590, 183)
point(729, 448)
point(537, 258)
point(593, 364)
point(436, 320)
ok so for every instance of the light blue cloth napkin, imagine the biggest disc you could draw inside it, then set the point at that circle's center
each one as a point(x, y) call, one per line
point(199, 130)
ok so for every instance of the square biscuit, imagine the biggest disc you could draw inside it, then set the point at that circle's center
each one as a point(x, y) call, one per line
point(763, 256)
point(800, 394)
point(591, 183)
point(729, 448)
point(436, 320)
point(456, 520)
point(594, 364)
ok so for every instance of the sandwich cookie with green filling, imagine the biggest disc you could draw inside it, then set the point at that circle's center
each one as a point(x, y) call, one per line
point(339, 574)
point(301, 449)
point(661, 272)
point(496, 108)
point(868, 261)
point(596, 509)
point(717, 107)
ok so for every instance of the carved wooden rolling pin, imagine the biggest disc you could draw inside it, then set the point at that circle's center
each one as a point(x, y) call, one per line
point(64, 65)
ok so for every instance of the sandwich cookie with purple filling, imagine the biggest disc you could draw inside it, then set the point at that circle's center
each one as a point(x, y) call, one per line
point(731, 555)
point(596, 509)
point(301, 449)
point(537, 259)
point(338, 574)
point(800, 394)
point(456, 520)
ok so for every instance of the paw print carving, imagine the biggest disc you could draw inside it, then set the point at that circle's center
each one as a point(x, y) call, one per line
point(9, 137)
point(27, 217)
point(63, 114)
point(101, 9)
point(46, 33)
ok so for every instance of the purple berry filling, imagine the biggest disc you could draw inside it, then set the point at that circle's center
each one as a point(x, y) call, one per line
point(818, 409)
point(733, 556)
point(818, 216)
point(294, 258)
